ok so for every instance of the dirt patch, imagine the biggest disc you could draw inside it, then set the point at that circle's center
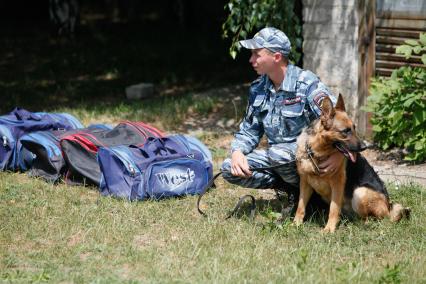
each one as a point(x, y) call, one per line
point(391, 167)
point(225, 116)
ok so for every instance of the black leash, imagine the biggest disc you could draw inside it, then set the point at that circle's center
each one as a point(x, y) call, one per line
point(242, 198)
point(311, 156)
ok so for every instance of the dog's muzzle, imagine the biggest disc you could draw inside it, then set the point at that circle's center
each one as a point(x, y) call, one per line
point(348, 151)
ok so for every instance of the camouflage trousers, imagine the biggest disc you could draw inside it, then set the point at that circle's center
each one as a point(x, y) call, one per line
point(278, 154)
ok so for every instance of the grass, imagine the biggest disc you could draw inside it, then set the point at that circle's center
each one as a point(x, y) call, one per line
point(62, 234)
point(57, 233)
point(166, 112)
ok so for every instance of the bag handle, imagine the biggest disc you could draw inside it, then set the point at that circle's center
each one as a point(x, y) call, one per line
point(161, 146)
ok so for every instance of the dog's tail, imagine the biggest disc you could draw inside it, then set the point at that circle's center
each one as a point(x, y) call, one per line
point(397, 212)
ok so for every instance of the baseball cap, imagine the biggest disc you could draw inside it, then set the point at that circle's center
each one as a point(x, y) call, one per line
point(270, 38)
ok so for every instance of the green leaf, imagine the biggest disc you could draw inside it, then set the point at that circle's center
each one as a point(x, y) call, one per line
point(409, 102)
point(385, 146)
point(412, 42)
point(423, 39)
point(377, 128)
point(417, 49)
point(424, 59)
point(411, 157)
point(419, 117)
point(405, 50)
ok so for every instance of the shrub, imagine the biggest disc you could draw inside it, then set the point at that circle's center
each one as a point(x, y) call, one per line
point(246, 16)
point(398, 105)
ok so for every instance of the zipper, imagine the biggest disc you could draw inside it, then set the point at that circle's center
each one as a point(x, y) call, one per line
point(133, 169)
point(7, 138)
point(129, 164)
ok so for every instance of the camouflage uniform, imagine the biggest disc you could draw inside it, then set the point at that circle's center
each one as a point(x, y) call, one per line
point(280, 115)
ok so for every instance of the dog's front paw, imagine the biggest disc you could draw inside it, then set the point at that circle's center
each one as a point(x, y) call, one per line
point(298, 220)
point(329, 229)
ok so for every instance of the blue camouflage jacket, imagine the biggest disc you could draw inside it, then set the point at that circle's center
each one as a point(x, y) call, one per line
point(282, 114)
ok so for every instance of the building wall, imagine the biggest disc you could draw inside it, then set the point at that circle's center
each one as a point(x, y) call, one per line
point(330, 47)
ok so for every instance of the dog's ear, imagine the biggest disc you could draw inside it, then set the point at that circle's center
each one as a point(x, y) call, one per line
point(327, 113)
point(340, 105)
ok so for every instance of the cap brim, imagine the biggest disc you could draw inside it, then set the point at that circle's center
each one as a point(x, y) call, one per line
point(250, 44)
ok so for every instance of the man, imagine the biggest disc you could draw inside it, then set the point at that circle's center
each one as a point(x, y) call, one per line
point(282, 101)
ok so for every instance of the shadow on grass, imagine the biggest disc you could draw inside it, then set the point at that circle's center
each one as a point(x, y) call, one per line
point(39, 72)
point(316, 211)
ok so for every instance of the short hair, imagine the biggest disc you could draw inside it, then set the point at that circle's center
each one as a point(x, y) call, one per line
point(284, 58)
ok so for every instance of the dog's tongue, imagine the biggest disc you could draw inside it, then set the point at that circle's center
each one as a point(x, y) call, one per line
point(345, 151)
point(352, 156)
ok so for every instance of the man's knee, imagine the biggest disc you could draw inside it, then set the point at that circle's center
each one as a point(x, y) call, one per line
point(284, 155)
point(288, 172)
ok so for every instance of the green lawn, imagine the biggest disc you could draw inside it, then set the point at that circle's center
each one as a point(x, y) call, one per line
point(58, 233)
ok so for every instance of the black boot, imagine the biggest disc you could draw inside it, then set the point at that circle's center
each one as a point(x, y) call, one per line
point(288, 196)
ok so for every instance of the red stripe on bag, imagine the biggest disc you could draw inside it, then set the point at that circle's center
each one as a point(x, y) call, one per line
point(84, 142)
point(155, 131)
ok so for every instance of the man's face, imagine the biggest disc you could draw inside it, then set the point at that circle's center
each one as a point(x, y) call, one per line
point(262, 60)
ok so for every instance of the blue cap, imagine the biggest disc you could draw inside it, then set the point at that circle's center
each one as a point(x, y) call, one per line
point(270, 38)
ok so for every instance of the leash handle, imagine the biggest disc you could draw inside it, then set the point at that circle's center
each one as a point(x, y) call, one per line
point(209, 184)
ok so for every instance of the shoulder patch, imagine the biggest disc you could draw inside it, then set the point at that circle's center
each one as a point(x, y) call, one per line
point(318, 99)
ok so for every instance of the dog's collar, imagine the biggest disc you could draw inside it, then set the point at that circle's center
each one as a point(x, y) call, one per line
point(311, 157)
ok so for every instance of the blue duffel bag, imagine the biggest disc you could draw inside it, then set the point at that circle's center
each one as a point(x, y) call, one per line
point(20, 122)
point(163, 167)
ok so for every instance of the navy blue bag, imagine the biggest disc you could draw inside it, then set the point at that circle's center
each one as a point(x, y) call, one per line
point(48, 161)
point(19, 122)
point(164, 167)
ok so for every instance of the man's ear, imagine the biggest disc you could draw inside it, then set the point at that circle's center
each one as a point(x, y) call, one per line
point(340, 105)
point(327, 113)
point(278, 56)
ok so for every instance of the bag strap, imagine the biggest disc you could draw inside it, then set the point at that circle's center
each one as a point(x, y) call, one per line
point(242, 198)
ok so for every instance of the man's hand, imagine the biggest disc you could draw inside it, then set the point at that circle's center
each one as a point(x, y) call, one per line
point(332, 163)
point(239, 165)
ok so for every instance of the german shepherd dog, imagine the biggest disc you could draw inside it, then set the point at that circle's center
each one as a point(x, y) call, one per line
point(354, 186)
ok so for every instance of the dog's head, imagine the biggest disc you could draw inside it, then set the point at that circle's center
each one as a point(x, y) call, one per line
point(339, 129)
